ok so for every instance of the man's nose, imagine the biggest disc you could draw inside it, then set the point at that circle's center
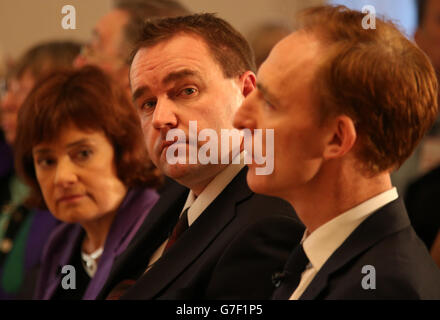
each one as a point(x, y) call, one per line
point(65, 174)
point(164, 115)
point(244, 116)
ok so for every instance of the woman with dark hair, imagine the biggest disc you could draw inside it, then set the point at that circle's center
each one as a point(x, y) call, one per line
point(80, 148)
point(24, 229)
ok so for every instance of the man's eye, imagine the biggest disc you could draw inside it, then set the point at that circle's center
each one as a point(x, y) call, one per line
point(148, 106)
point(189, 91)
point(267, 104)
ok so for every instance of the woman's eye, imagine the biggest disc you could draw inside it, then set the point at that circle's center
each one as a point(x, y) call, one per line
point(45, 162)
point(84, 154)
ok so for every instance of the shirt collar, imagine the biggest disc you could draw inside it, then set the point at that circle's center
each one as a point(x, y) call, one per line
point(198, 204)
point(321, 243)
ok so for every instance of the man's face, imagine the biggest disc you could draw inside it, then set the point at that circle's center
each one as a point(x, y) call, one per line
point(428, 34)
point(17, 91)
point(283, 101)
point(103, 50)
point(177, 81)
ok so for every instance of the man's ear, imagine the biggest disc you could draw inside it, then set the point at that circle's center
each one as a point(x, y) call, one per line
point(248, 82)
point(342, 137)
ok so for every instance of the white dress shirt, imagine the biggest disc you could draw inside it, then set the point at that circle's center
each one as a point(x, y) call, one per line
point(324, 241)
point(198, 204)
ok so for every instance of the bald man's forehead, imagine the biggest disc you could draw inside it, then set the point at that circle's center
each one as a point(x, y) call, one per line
point(295, 57)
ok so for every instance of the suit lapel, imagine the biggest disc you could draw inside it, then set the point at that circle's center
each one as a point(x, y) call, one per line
point(194, 241)
point(61, 257)
point(387, 220)
point(150, 235)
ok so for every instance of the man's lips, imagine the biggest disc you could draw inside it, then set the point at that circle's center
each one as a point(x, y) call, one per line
point(165, 144)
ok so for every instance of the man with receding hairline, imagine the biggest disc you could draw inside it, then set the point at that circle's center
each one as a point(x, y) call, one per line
point(347, 106)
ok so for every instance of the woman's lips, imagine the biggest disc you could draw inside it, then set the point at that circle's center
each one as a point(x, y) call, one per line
point(70, 198)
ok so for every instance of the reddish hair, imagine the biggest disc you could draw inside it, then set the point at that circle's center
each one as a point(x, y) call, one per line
point(379, 78)
point(89, 100)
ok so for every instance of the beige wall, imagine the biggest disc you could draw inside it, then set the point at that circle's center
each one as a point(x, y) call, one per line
point(26, 22)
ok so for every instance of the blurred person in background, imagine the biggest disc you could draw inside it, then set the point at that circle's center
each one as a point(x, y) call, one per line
point(263, 38)
point(6, 159)
point(24, 229)
point(423, 194)
point(90, 166)
point(114, 35)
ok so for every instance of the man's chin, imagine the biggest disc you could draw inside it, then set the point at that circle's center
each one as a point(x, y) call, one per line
point(259, 183)
point(176, 171)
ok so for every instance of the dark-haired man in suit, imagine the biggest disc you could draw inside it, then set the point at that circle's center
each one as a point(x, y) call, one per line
point(210, 237)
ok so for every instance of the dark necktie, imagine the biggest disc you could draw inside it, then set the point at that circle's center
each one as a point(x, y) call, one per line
point(178, 230)
point(287, 281)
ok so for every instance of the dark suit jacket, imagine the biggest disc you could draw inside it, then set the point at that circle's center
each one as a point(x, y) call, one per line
point(386, 241)
point(229, 252)
point(422, 199)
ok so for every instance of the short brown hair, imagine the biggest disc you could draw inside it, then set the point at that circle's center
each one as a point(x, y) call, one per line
point(141, 10)
point(46, 57)
point(228, 47)
point(379, 78)
point(89, 100)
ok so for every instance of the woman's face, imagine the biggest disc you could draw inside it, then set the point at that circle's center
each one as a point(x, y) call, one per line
point(77, 175)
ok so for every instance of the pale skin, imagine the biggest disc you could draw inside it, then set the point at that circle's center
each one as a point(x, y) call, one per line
point(315, 166)
point(177, 81)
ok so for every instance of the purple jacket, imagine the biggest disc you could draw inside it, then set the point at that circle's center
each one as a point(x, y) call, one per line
point(59, 249)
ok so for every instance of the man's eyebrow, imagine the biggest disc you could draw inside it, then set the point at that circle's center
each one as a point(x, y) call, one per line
point(261, 87)
point(178, 75)
point(140, 92)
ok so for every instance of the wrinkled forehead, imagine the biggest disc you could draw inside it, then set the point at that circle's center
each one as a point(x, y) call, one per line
point(182, 51)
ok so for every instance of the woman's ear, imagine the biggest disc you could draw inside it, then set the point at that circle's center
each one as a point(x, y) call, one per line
point(341, 139)
point(248, 82)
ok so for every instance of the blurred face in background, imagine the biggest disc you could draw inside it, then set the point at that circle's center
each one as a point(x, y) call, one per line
point(103, 50)
point(16, 93)
point(78, 177)
point(427, 35)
